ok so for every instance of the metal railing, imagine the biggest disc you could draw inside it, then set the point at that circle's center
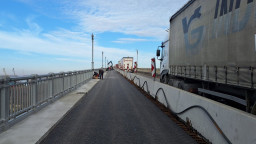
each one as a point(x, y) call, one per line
point(22, 95)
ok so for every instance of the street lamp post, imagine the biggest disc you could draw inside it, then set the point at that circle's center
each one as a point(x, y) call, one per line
point(102, 60)
point(137, 59)
point(92, 52)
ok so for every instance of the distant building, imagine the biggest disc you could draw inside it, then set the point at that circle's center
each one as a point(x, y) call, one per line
point(126, 62)
point(119, 64)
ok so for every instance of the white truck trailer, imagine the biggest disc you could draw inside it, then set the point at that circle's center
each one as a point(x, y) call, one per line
point(211, 51)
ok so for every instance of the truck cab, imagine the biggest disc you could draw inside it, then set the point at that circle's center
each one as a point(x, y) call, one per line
point(163, 53)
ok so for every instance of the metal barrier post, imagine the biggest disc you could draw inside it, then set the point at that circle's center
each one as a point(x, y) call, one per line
point(63, 82)
point(70, 80)
point(34, 89)
point(4, 101)
point(76, 79)
point(51, 86)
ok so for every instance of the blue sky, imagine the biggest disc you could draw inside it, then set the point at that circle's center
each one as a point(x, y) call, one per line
point(42, 36)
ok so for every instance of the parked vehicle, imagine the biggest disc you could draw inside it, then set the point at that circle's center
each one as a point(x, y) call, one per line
point(211, 50)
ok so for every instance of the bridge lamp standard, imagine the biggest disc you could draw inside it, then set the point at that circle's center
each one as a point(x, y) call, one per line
point(92, 51)
point(102, 60)
point(137, 59)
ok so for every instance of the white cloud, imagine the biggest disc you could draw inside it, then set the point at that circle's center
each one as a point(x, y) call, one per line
point(34, 27)
point(4, 17)
point(58, 43)
point(73, 60)
point(130, 40)
point(67, 35)
point(8, 16)
point(139, 17)
point(29, 42)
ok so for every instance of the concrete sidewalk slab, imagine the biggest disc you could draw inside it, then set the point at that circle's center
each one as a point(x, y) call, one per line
point(36, 126)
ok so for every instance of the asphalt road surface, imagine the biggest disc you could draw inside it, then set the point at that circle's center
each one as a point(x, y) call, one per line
point(115, 112)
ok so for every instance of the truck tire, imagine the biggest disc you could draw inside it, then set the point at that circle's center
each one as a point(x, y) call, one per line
point(181, 85)
point(165, 79)
point(170, 82)
point(254, 109)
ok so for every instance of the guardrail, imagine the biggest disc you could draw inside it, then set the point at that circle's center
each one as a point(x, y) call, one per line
point(23, 95)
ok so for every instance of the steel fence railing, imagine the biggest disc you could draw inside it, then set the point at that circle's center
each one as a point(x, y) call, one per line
point(19, 96)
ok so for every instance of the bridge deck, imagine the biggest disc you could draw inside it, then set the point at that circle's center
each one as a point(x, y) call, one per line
point(114, 111)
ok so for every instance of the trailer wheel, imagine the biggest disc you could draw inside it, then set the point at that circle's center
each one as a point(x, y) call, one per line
point(254, 109)
point(166, 79)
point(170, 82)
point(181, 85)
